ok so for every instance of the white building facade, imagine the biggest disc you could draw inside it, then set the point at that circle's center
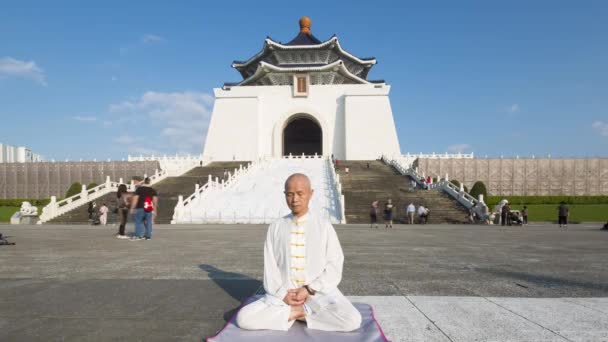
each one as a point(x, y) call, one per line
point(304, 97)
point(17, 154)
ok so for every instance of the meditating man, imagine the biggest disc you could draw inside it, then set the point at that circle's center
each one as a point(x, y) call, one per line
point(302, 269)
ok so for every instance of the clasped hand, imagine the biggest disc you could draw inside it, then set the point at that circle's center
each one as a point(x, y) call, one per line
point(296, 296)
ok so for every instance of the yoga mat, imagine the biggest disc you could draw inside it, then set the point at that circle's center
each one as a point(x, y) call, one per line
point(369, 331)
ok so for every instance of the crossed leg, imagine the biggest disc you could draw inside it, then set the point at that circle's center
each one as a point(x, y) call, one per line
point(340, 315)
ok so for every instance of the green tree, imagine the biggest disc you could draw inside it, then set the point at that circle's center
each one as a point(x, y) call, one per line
point(479, 189)
point(92, 185)
point(74, 189)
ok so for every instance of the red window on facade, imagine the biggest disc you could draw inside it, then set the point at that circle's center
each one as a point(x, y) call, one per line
point(301, 84)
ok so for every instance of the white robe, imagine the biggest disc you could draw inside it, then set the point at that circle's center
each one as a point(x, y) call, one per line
point(301, 251)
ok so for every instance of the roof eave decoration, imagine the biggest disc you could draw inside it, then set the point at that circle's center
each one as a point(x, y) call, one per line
point(270, 44)
point(265, 68)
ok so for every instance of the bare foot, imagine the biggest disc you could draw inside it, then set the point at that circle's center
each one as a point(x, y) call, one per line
point(297, 312)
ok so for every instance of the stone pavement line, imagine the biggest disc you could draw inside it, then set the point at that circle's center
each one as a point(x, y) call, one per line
point(575, 322)
point(476, 319)
point(417, 308)
point(577, 302)
point(527, 319)
point(430, 320)
point(400, 321)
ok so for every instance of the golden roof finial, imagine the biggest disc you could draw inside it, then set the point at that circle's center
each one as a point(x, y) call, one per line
point(305, 25)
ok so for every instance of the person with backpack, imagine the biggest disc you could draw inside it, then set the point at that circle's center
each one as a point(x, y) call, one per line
point(144, 206)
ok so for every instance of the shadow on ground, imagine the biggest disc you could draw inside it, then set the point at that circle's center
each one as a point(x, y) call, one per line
point(237, 285)
point(546, 281)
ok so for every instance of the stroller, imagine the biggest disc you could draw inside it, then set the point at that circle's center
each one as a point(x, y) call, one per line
point(5, 242)
point(515, 217)
point(95, 219)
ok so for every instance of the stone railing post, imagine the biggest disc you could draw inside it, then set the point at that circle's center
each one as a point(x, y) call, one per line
point(83, 193)
point(461, 187)
point(481, 198)
point(53, 206)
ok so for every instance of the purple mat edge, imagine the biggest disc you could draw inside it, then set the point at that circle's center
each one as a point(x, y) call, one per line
point(210, 339)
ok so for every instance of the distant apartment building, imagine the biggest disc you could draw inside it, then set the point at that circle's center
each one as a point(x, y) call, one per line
point(17, 154)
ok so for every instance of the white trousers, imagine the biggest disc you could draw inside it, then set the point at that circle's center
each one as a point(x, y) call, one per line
point(330, 312)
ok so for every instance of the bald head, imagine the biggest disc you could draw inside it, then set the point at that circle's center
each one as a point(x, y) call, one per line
point(298, 178)
point(298, 192)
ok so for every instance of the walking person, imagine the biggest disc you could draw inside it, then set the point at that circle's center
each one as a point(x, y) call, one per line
point(122, 206)
point(103, 214)
point(524, 215)
point(388, 214)
point(411, 210)
point(563, 212)
point(144, 206)
point(373, 214)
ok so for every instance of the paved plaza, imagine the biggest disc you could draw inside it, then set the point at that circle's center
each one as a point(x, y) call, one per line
point(426, 283)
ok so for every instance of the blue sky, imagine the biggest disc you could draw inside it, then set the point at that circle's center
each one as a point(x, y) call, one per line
point(110, 78)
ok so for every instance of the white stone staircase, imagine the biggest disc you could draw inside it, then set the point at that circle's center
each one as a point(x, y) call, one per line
point(255, 194)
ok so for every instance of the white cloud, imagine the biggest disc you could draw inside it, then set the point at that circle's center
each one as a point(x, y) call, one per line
point(601, 128)
point(180, 118)
point(514, 108)
point(11, 67)
point(84, 118)
point(459, 148)
point(149, 39)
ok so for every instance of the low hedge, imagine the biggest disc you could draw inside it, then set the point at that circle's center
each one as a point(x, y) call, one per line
point(16, 202)
point(518, 200)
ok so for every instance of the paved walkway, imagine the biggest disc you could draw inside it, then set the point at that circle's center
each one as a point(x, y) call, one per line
point(426, 283)
point(440, 318)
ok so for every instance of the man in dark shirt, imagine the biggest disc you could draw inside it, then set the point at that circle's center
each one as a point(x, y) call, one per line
point(504, 214)
point(144, 206)
point(563, 213)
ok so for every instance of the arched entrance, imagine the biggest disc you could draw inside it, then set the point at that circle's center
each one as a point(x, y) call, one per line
point(302, 134)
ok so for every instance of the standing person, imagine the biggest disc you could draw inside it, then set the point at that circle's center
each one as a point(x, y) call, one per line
point(504, 212)
point(524, 215)
point(471, 216)
point(144, 206)
point(411, 210)
point(422, 214)
point(388, 214)
point(103, 214)
point(303, 263)
point(90, 211)
point(122, 204)
point(563, 212)
point(373, 214)
point(509, 219)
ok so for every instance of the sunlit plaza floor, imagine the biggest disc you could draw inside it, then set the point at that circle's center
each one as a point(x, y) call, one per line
point(426, 283)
